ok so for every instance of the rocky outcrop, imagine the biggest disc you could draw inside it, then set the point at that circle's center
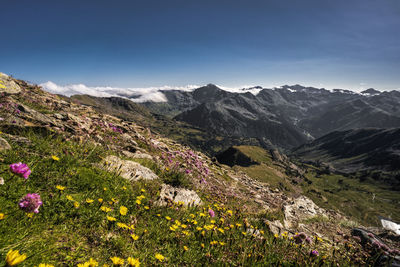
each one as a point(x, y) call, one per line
point(128, 169)
point(170, 194)
point(300, 209)
point(8, 86)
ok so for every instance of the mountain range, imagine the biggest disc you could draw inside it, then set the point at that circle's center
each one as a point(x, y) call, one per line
point(284, 117)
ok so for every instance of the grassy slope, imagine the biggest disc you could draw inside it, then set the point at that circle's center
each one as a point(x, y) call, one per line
point(333, 191)
point(267, 171)
point(65, 233)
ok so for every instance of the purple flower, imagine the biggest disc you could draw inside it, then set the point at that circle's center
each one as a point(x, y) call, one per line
point(20, 169)
point(211, 213)
point(314, 253)
point(203, 181)
point(30, 203)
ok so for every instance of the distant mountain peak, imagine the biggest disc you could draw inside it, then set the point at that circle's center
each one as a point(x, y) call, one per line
point(370, 91)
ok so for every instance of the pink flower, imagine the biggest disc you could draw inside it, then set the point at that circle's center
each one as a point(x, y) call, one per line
point(20, 169)
point(211, 213)
point(30, 203)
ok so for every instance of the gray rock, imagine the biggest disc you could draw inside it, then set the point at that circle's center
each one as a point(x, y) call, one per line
point(300, 209)
point(4, 145)
point(275, 227)
point(8, 86)
point(128, 169)
point(170, 194)
point(136, 155)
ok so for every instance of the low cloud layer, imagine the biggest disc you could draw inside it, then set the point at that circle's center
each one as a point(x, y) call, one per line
point(135, 94)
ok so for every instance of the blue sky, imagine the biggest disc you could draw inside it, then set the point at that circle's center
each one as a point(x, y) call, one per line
point(350, 44)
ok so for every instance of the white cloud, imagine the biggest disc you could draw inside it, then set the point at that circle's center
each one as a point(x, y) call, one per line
point(134, 94)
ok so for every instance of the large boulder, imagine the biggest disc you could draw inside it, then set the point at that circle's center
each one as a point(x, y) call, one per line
point(128, 169)
point(8, 86)
point(170, 194)
point(300, 209)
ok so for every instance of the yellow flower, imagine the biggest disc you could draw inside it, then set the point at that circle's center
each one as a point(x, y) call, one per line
point(134, 237)
point(13, 257)
point(100, 200)
point(160, 257)
point(138, 201)
point(122, 225)
point(123, 210)
point(124, 188)
point(90, 263)
point(168, 218)
point(230, 212)
point(202, 214)
point(105, 209)
point(202, 245)
point(46, 265)
point(105, 188)
point(93, 263)
point(30, 215)
point(114, 200)
point(185, 248)
point(55, 158)
point(61, 188)
point(143, 190)
point(69, 197)
point(222, 243)
point(173, 227)
point(117, 261)
point(111, 219)
point(133, 262)
point(221, 230)
point(2, 216)
point(76, 204)
point(146, 207)
point(276, 235)
point(89, 201)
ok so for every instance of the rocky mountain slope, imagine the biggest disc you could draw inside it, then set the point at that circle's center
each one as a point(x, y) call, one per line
point(298, 113)
point(80, 186)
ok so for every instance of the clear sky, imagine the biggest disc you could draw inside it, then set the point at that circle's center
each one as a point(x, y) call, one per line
point(350, 44)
